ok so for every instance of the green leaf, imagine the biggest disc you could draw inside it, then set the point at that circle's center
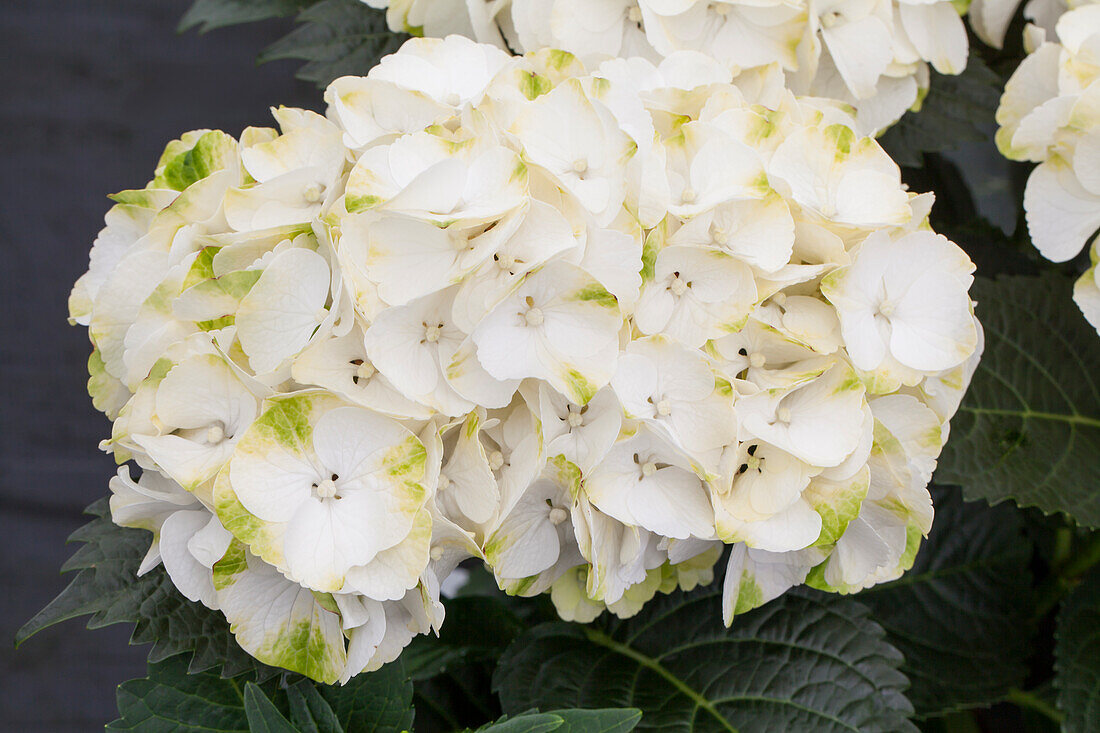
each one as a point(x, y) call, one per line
point(962, 614)
point(210, 14)
point(336, 38)
point(106, 587)
point(379, 700)
point(524, 723)
point(1029, 428)
point(607, 720)
point(309, 711)
point(805, 661)
point(957, 109)
point(170, 700)
point(1077, 657)
point(263, 716)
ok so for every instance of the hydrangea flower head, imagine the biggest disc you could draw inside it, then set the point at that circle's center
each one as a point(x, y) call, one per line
point(587, 325)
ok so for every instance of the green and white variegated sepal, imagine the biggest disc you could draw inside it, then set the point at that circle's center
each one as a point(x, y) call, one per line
point(331, 494)
point(327, 637)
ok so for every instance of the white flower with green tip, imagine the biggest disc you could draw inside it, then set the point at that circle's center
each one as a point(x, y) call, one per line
point(754, 577)
point(820, 422)
point(340, 364)
point(536, 535)
point(322, 487)
point(1086, 291)
point(438, 179)
point(280, 314)
point(905, 300)
point(560, 325)
point(645, 482)
point(542, 234)
point(276, 620)
point(841, 177)
point(204, 410)
point(696, 294)
point(582, 434)
point(673, 389)
point(586, 157)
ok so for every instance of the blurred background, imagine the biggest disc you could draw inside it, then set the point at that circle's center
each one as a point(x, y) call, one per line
point(91, 92)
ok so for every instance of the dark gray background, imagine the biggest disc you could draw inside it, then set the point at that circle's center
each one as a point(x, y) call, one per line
point(91, 92)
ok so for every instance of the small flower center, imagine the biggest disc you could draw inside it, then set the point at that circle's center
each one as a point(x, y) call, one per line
point(688, 195)
point(436, 552)
point(496, 460)
point(664, 408)
point(326, 489)
point(506, 262)
point(574, 419)
point(756, 360)
point(431, 333)
point(533, 316)
point(453, 99)
point(648, 469)
point(443, 483)
point(754, 463)
point(887, 308)
point(783, 414)
point(215, 434)
point(721, 8)
point(313, 192)
point(558, 515)
point(580, 166)
point(634, 15)
point(678, 286)
point(718, 235)
point(830, 19)
point(364, 371)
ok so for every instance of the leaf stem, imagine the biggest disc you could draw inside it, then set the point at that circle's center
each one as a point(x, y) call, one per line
point(598, 637)
point(1067, 572)
point(1083, 560)
point(1030, 701)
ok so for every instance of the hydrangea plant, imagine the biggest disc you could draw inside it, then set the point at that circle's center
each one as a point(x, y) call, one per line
point(596, 379)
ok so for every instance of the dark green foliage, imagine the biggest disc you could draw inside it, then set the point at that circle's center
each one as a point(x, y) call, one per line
point(957, 109)
point(806, 661)
point(106, 587)
point(962, 616)
point(1029, 428)
point(334, 37)
point(1078, 657)
point(207, 15)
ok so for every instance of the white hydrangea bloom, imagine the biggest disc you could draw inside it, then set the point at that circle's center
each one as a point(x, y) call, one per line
point(871, 54)
point(1049, 115)
point(589, 327)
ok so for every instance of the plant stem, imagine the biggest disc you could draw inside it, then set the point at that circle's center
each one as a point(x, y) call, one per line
point(1067, 572)
point(1030, 701)
point(1081, 562)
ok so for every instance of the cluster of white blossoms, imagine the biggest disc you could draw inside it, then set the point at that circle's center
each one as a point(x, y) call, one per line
point(586, 326)
point(1050, 115)
point(870, 54)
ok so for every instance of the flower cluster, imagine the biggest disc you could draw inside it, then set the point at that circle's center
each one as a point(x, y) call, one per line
point(1049, 115)
point(587, 326)
point(871, 54)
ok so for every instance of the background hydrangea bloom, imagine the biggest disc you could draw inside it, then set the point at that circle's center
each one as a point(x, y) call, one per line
point(872, 55)
point(1049, 115)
